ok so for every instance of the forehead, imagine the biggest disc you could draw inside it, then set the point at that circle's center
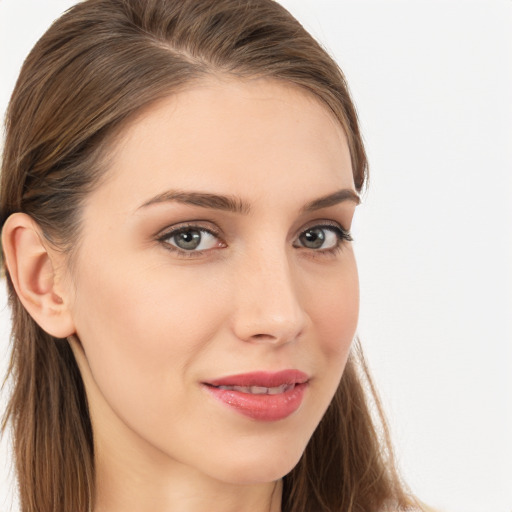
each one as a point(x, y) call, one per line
point(224, 133)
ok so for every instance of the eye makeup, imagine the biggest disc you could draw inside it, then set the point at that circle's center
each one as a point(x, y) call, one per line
point(194, 239)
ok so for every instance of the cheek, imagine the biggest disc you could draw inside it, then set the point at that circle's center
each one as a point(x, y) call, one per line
point(141, 331)
point(334, 311)
point(143, 307)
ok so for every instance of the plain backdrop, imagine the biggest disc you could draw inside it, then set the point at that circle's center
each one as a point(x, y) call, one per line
point(432, 82)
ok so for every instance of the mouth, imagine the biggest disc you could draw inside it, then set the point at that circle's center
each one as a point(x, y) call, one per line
point(258, 390)
point(262, 396)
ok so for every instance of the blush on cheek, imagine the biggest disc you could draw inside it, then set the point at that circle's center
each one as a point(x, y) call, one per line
point(337, 320)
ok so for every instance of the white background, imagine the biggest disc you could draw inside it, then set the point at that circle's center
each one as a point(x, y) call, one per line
point(432, 81)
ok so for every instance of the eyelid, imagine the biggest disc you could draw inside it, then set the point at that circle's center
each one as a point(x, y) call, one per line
point(342, 235)
point(171, 231)
point(327, 224)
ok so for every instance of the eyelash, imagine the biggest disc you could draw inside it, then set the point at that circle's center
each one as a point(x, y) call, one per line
point(342, 236)
point(184, 228)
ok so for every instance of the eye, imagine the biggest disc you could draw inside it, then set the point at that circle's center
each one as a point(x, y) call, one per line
point(324, 237)
point(191, 239)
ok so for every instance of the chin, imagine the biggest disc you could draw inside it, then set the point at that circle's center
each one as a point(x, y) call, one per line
point(264, 467)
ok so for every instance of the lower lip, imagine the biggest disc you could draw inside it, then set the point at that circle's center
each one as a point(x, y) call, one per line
point(261, 407)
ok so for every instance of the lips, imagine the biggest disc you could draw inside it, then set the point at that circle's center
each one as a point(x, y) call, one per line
point(263, 396)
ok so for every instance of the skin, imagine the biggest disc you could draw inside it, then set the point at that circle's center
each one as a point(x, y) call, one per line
point(149, 324)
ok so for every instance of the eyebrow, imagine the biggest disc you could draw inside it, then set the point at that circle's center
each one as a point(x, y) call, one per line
point(203, 199)
point(235, 204)
point(345, 194)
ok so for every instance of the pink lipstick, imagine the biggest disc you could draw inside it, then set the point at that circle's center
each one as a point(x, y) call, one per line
point(263, 396)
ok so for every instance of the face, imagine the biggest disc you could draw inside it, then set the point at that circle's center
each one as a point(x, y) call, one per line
point(215, 287)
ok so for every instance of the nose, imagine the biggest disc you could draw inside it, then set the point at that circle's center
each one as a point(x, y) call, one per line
point(268, 307)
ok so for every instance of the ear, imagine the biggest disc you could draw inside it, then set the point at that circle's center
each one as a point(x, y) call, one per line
point(32, 269)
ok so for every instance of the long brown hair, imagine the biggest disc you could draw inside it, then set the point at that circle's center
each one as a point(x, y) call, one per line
point(93, 70)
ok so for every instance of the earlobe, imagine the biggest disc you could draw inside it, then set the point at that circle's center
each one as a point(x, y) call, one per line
point(32, 268)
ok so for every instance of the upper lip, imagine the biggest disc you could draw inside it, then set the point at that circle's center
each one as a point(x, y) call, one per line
point(262, 379)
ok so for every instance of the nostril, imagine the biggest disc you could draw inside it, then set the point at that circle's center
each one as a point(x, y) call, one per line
point(265, 337)
point(285, 336)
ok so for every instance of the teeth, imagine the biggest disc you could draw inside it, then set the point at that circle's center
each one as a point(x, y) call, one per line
point(280, 389)
point(259, 390)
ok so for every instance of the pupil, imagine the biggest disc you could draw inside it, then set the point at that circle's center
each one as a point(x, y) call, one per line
point(313, 238)
point(188, 240)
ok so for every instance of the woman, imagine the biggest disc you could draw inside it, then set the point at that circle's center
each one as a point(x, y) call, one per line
point(178, 184)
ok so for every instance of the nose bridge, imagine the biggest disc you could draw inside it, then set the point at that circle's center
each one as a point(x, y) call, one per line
point(268, 306)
